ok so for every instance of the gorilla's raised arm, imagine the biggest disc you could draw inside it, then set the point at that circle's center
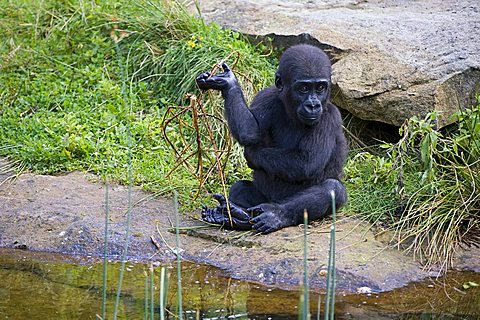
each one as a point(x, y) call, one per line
point(242, 123)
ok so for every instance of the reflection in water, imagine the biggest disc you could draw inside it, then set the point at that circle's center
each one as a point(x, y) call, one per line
point(46, 286)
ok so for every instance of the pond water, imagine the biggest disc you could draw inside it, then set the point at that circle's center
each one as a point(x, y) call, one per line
point(51, 286)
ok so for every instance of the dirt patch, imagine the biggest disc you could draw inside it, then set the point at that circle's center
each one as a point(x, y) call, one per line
point(67, 214)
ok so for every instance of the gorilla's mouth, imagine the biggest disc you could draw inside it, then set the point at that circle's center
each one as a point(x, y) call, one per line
point(308, 120)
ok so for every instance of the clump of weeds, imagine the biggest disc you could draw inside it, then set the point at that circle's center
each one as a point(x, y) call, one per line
point(426, 186)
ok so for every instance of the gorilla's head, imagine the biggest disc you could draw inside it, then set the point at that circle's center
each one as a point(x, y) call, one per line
point(303, 81)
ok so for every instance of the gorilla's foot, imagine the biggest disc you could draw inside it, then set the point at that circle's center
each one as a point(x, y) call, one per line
point(238, 218)
point(213, 215)
point(269, 217)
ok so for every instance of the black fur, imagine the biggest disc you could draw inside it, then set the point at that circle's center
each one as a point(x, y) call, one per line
point(293, 140)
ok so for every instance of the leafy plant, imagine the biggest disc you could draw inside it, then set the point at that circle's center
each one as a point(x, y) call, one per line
point(425, 187)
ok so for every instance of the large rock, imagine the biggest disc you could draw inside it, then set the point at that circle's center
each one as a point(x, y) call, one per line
point(393, 59)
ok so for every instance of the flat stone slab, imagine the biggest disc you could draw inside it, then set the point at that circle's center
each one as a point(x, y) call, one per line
point(393, 59)
point(66, 214)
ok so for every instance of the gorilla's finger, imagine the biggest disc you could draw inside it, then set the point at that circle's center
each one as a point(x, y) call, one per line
point(225, 67)
point(255, 220)
point(264, 229)
point(203, 76)
point(269, 230)
point(255, 210)
point(202, 84)
point(214, 82)
point(258, 224)
point(220, 198)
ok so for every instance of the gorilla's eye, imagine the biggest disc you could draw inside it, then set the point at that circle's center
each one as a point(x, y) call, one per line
point(320, 87)
point(303, 88)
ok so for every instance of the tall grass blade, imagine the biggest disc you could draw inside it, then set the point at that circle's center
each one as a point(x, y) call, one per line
point(330, 297)
point(129, 178)
point(177, 251)
point(105, 252)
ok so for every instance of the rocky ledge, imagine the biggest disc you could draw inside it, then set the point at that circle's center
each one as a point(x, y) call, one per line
point(393, 59)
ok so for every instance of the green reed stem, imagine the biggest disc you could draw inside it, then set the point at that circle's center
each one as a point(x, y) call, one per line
point(152, 313)
point(105, 252)
point(163, 291)
point(306, 304)
point(301, 306)
point(130, 181)
point(319, 305)
point(179, 268)
point(145, 305)
point(330, 297)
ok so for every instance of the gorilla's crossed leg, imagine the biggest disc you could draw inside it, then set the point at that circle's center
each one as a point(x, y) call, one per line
point(249, 209)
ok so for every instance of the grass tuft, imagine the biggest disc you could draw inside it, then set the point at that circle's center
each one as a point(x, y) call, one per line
point(426, 186)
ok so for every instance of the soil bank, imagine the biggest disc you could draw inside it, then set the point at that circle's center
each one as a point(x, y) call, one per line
point(66, 214)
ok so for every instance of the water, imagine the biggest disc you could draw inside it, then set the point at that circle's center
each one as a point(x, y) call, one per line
point(50, 286)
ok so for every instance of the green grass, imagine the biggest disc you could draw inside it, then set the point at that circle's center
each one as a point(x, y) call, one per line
point(63, 94)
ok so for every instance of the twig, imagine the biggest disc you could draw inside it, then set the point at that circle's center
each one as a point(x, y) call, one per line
point(164, 241)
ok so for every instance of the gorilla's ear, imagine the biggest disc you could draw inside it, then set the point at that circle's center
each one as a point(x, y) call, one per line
point(278, 82)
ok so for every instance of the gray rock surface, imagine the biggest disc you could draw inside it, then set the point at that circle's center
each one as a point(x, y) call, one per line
point(393, 59)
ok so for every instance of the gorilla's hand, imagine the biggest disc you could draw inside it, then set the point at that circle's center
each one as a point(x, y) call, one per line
point(219, 215)
point(269, 217)
point(220, 81)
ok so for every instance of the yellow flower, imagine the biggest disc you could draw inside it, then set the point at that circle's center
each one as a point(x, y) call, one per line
point(191, 43)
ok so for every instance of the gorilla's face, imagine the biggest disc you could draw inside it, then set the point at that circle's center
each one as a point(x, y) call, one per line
point(309, 97)
point(303, 82)
point(304, 98)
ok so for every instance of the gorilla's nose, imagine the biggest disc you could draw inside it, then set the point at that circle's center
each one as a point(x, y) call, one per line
point(313, 106)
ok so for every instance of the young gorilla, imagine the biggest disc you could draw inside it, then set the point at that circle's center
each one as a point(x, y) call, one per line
point(293, 140)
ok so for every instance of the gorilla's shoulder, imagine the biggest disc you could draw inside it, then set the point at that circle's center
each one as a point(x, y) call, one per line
point(267, 98)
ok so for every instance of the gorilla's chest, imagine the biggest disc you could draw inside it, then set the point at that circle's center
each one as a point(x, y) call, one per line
point(288, 137)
